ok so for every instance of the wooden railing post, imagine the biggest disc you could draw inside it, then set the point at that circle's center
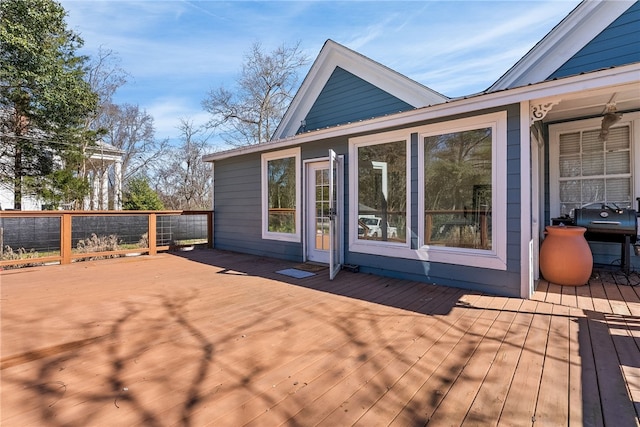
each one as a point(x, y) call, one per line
point(65, 239)
point(210, 230)
point(151, 233)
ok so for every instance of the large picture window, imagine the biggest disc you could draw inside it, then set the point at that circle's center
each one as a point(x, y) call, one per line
point(381, 184)
point(463, 191)
point(457, 188)
point(281, 195)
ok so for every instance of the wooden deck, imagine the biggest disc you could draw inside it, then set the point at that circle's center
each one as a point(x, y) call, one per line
point(209, 338)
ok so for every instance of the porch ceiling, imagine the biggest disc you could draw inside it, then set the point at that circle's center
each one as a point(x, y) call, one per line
point(593, 103)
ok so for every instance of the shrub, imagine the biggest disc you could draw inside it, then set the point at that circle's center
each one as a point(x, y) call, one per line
point(99, 244)
point(9, 254)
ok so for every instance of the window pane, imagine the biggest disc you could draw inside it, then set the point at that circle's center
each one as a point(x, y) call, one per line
point(570, 143)
point(618, 162)
point(282, 195)
point(570, 191)
point(570, 165)
point(619, 191)
point(593, 164)
point(618, 138)
point(593, 191)
point(322, 209)
point(458, 189)
point(591, 141)
point(382, 191)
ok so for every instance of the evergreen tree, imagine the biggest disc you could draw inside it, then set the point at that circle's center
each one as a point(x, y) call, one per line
point(44, 98)
point(139, 196)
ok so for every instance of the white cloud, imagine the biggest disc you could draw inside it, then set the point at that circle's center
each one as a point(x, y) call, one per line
point(168, 112)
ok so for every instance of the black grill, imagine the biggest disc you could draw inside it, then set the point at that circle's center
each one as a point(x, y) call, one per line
point(610, 224)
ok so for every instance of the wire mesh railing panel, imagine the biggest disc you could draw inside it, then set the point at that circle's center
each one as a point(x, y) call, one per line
point(181, 230)
point(104, 232)
point(30, 234)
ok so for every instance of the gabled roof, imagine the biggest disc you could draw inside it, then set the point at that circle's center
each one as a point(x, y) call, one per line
point(334, 55)
point(577, 29)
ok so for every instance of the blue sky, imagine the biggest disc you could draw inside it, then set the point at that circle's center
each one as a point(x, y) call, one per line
point(177, 51)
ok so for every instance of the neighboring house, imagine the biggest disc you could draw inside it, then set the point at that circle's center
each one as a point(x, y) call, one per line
point(468, 184)
point(105, 177)
point(104, 171)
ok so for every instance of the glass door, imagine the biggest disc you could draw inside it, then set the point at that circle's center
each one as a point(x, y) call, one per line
point(335, 214)
point(318, 218)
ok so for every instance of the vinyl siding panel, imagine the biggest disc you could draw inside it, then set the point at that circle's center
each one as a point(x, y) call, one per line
point(238, 210)
point(618, 44)
point(347, 98)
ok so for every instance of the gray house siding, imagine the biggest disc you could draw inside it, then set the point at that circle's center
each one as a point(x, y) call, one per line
point(238, 210)
point(618, 44)
point(347, 98)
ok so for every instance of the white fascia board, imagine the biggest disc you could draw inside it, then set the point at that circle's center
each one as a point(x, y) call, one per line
point(609, 78)
point(335, 55)
point(581, 26)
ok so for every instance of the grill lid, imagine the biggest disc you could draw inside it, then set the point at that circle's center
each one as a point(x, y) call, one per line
point(608, 220)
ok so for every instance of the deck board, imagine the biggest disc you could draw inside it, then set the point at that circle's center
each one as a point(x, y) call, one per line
point(220, 339)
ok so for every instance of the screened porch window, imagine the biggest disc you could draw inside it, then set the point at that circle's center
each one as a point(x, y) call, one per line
point(593, 169)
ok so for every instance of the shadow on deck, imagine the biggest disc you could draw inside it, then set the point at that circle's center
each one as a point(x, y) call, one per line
point(215, 338)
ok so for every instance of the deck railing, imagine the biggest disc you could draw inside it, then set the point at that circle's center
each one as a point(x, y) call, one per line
point(39, 237)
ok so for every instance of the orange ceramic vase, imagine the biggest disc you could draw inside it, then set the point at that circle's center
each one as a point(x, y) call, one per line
point(565, 256)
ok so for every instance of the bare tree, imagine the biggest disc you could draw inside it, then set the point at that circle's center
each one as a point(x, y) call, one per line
point(105, 76)
point(250, 114)
point(130, 129)
point(184, 180)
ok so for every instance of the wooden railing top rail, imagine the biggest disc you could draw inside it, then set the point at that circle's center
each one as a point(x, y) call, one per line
point(97, 213)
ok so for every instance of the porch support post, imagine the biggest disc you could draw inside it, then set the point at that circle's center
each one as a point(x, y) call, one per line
point(95, 195)
point(117, 190)
point(104, 179)
point(526, 247)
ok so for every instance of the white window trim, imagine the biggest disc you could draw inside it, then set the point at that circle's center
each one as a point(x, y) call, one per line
point(495, 258)
point(630, 119)
point(393, 249)
point(269, 235)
